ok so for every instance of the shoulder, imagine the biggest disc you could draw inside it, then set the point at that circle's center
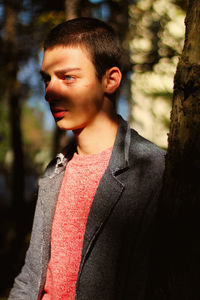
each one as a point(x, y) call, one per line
point(142, 146)
point(146, 153)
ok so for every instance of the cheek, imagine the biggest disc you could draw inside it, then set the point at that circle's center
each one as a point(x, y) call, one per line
point(93, 85)
point(90, 92)
point(95, 90)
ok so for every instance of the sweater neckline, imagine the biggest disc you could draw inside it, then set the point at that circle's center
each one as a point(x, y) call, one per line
point(86, 159)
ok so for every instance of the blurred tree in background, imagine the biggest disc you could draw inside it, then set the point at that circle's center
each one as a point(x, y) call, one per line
point(19, 131)
point(157, 35)
point(151, 34)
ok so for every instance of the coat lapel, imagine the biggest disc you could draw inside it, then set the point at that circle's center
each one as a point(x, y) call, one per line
point(109, 190)
point(50, 186)
point(49, 189)
point(103, 203)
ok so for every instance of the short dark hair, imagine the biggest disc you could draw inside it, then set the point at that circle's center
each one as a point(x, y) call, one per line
point(99, 39)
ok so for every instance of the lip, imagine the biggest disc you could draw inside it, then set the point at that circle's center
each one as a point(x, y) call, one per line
point(58, 112)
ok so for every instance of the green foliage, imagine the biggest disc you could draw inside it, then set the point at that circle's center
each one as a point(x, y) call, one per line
point(157, 35)
point(36, 140)
point(47, 20)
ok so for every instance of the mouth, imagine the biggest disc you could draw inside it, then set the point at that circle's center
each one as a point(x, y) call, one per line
point(58, 113)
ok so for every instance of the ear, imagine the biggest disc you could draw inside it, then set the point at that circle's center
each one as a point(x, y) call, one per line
point(111, 80)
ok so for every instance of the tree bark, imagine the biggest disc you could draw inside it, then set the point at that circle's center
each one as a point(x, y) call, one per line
point(12, 93)
point(13, 96)
point(178, 243)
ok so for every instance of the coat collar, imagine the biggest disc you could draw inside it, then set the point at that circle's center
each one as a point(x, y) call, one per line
point(120, 156)
point(119, 159)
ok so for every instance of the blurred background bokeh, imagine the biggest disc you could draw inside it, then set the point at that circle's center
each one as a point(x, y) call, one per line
point(152, 35)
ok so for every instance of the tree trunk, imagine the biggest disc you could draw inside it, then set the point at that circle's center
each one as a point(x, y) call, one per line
point(72, 9)
point(12, 93)
point(13, 96)
point(178, 242)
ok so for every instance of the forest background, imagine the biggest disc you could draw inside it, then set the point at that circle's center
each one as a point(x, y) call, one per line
point(152, 35)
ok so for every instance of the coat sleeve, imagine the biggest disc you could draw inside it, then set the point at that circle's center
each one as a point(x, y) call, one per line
point(26, 284)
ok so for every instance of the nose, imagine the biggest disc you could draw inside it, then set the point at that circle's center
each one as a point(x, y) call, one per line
point(48, 96)
point(51, 91)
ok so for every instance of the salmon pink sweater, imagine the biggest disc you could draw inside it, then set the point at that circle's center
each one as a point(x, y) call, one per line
point(82, 176)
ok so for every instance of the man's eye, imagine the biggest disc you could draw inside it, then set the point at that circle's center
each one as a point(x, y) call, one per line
point(69, 78)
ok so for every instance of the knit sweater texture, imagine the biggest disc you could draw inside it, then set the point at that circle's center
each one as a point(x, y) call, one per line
point(82, 176)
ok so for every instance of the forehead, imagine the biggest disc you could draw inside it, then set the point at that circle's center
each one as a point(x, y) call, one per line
point(59, 55)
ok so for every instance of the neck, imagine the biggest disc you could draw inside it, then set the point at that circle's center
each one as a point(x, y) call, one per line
point(97, 136)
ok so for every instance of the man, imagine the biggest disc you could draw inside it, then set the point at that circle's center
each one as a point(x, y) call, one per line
point(97, 200)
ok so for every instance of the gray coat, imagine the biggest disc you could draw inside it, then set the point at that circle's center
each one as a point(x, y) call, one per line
point(118, 233)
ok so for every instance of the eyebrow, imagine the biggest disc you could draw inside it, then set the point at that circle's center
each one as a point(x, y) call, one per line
point(61, 71)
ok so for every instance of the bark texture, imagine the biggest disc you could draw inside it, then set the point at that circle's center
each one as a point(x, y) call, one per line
point(13, 95)
point(178, 242)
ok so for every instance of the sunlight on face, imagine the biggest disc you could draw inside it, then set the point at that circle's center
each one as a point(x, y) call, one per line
point(74, 93)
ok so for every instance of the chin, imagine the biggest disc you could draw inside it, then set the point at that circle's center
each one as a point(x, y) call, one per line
point(63, 125)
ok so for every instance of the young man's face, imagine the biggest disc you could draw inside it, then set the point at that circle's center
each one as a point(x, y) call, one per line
point(74, 93)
